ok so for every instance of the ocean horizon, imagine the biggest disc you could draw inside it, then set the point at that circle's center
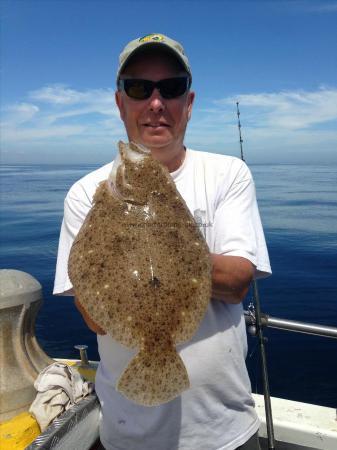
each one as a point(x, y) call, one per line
point(298, 207)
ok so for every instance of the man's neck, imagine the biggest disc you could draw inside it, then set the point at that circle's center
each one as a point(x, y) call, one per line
point(172, 160)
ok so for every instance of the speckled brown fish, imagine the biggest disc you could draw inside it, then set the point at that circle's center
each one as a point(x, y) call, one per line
point(141, 269)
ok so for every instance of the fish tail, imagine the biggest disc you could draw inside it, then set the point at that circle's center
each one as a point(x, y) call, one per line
point(153, 378)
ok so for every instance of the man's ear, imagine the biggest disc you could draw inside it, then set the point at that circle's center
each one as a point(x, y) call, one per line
point(190, 100)
point(119, 103)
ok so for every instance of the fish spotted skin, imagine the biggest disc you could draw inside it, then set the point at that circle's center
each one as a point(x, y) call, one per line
point(141, 269)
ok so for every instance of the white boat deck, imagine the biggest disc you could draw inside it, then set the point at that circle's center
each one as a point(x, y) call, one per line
point(300, 424)
point(297, 426)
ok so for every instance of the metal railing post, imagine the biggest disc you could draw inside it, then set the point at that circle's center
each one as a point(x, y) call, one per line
point(266, 392)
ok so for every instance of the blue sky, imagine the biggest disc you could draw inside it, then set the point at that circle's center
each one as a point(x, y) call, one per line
point(277, 58)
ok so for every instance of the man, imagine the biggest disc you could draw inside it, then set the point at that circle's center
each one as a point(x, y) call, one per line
point(155, 103)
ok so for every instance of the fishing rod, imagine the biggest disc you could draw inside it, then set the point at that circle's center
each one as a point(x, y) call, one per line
point(239, 126)
point(256, 330)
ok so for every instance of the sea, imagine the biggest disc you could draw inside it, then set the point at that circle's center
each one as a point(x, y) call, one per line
point(298, 207)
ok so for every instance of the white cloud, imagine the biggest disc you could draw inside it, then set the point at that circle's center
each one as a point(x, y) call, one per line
point(288, 110)
point(305, 6)
point(56, 94)
point(321, 7)
point(61, 113)
point(276, 126)
point(60, 94)
point(81, 121)
point(61, 101)
point(35, 134)
point(20, 112)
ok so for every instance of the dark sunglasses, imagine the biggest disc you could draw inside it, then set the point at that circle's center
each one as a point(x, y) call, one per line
point(142, 89)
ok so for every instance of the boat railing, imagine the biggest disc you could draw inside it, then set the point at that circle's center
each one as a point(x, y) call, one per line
point(288, 325)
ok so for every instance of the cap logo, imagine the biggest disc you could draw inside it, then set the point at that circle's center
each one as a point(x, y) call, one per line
point(152, 37)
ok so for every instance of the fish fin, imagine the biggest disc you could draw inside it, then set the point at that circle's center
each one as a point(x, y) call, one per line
point(138, 148)
point(154, 378)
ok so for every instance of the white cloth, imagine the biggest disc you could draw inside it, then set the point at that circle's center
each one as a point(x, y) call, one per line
point(217, 412)
point(59, 387)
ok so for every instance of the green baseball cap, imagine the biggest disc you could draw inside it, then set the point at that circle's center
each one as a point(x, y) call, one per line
point(156, 40)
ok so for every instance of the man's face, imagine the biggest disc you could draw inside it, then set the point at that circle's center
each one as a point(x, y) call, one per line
point(156, 122)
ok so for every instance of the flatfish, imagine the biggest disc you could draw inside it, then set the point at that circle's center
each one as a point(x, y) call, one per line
point(141, 269)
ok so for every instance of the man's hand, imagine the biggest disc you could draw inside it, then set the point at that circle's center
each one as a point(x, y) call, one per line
point(90, 323)
point(231, 277)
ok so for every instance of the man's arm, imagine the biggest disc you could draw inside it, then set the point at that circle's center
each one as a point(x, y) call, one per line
point(231, 277)
point(90, 323)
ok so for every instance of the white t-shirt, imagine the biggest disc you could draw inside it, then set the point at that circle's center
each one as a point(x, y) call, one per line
point(217, 412)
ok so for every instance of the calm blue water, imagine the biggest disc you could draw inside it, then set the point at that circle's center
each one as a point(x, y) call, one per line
point(298, 205)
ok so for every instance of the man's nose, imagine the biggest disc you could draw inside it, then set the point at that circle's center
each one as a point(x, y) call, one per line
point(157, 102)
